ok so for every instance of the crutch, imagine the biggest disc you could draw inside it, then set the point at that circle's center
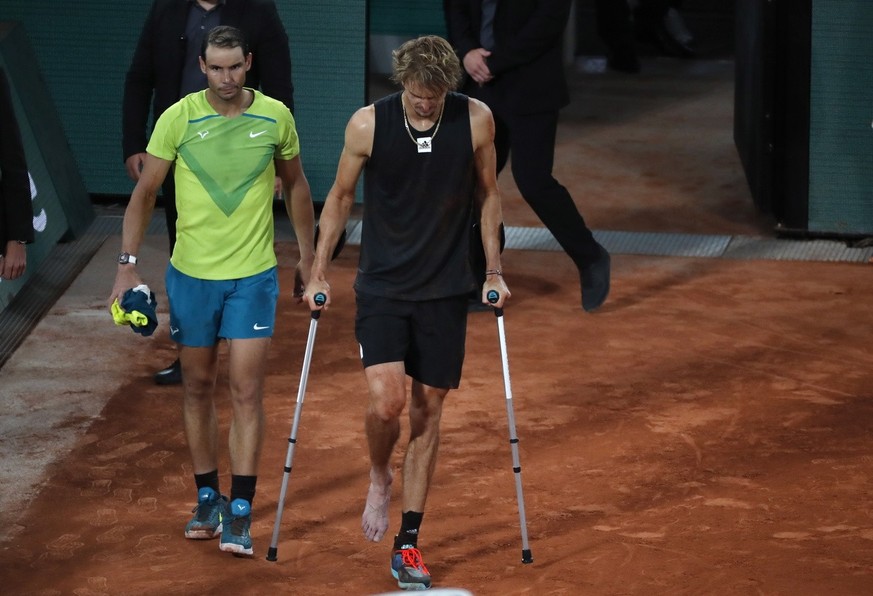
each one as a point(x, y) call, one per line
point(320, 299)
point(526, 556)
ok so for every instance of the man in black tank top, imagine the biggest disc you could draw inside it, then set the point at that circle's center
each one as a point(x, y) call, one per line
point(429, 163)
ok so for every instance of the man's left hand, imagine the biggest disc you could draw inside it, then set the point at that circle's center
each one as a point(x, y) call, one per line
point(13, 264)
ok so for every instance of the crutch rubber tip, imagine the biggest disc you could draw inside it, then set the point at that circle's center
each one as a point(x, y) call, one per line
point(526, 556)
point(271, 553)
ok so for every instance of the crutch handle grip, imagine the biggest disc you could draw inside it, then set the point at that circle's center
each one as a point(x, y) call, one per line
point(320, 299)
point(493, 297)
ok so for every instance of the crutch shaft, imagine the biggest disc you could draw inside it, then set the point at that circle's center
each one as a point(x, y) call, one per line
point(272, 552)
point(526, 556)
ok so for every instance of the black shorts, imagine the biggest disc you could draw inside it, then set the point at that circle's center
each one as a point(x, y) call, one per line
point(428, 336)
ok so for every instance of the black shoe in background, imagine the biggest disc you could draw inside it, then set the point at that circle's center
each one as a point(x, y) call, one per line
point(172, 375)
point(595, 281)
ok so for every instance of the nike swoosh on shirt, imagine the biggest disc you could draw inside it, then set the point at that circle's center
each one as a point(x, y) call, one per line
point(252, 135)
point(257, 327)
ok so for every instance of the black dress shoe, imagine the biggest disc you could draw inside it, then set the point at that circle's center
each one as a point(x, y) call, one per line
point(172, 375)
point(595, 281)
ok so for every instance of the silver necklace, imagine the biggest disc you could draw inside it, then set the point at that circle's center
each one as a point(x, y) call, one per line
point(424, 144)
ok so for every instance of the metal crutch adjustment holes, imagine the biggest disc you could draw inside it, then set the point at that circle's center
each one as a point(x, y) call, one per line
point(320, 299)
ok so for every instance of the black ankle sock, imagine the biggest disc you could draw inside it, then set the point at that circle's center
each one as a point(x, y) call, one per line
point(209, 479)
point(243, 487)
point(410, 522)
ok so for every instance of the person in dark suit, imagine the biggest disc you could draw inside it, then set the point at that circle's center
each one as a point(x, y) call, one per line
point(512, 54)
point(165, 68)
point(16, 209)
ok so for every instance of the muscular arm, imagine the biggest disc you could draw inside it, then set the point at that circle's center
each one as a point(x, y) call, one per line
point(136, 220)
point(341, 198)
point(487, 197)
point(298, 204)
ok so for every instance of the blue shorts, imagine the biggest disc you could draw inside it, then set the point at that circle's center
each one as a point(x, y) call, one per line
point(202, 311)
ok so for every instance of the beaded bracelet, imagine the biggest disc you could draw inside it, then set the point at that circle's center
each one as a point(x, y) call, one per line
point(494, 272)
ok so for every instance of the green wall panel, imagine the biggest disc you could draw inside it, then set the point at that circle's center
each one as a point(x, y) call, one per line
point(61, 206)
point(840, 135)
point(407, 18)
point(83, 49)
point(328, 52)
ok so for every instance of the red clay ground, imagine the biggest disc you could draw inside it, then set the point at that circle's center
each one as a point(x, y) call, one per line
point(707, 432)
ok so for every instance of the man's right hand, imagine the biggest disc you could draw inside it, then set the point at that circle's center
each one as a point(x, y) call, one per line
point(474, 64)
point(125, 278)
point(134, 165)
point(317, 286)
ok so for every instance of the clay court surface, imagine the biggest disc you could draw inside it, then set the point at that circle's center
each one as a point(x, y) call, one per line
point(707, 432)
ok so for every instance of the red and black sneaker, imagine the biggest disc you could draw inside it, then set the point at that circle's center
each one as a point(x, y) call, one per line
point(409, 570)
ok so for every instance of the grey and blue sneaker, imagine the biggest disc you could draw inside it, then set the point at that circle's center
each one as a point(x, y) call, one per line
point(206, 523)
point(237, 521)
point(409, 570)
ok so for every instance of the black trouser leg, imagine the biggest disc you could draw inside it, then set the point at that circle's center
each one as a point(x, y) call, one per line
point(531, 141)
point(613, 18)
point(651, 12)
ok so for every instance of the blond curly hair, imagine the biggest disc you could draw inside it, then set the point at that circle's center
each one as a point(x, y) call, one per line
point(429, 61)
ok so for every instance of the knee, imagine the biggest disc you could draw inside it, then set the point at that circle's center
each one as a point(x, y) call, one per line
point(427, 406)
point(424, 418)
point(246, 393)
point(426, 410)
point(387, 407)
point(198, 387)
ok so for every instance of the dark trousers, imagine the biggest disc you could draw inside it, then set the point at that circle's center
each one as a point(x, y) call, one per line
point(614, 22)
point(613, 19)
point(653, 11)
point(530, 138)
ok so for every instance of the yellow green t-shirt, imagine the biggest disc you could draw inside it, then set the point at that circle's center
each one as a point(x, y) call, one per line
point(224, 175)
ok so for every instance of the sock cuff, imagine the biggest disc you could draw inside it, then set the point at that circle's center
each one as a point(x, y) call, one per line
point(243, 487)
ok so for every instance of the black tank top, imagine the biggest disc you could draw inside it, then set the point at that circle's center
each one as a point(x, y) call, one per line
point(417, 213)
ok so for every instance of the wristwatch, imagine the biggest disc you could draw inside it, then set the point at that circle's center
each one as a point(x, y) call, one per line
point(125, 258)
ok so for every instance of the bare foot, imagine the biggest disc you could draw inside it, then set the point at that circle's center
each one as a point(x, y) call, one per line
point(374, 521)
